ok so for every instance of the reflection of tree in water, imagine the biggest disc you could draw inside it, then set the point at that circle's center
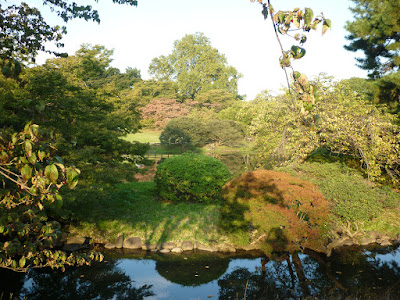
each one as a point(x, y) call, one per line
point(99, 281)
point(194, 270)
point(236, 162)
point(351, 274)
point(10, 283)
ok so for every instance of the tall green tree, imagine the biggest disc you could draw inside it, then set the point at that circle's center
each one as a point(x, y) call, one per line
point(196, 67)
point(375, 30)
point(72, 97)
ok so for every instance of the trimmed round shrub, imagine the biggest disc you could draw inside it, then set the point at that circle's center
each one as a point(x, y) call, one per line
point(287, 212)
point(191, 178)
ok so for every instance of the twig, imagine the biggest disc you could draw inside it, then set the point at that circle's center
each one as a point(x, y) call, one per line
point(280, 44)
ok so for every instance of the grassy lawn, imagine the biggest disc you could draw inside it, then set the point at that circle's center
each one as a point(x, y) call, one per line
point(134, 210)
point(144, 136)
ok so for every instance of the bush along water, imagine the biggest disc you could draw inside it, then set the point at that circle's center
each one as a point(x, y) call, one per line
point(191, 178)
point(283, 212)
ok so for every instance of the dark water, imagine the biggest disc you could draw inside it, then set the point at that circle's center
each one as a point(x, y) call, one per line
point(350, 274)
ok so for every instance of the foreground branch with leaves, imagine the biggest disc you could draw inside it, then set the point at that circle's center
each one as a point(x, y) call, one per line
point(31, 177)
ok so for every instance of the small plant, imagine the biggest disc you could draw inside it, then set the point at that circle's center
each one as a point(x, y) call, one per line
point(191, 177)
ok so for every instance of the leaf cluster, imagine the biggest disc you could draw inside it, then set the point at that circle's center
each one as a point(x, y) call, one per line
point(31, 176)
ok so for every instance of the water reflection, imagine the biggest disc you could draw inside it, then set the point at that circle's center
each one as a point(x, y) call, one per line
point(350, 274)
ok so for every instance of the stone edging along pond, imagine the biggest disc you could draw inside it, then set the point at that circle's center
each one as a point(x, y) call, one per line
point(71, 244)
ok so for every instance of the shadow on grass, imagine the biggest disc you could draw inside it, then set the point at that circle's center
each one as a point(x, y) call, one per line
point(133, 209)
point(244, 211)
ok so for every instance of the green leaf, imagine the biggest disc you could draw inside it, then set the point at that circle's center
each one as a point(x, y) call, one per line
point(325, 26)
point(3, 157)
point(51, 172)
point(26, 102)
point(28, 147)
point(302, 80)
point(296, 75)
point(35, 129)
point(41, 155)
point(22, 262)
point(58, 201)
point(26, 172)
point(281, 17)
point(72, 177)
point(40, 106)
point(308, 16)
point(32, 159)
point(298, 52)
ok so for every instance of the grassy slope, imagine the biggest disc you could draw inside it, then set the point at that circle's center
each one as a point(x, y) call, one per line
point(134, 210)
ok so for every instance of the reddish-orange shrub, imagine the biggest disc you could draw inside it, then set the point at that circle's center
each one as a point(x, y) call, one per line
point(288, 211)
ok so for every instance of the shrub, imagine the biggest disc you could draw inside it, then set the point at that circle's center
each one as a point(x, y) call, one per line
point(287, 211)
point(173, 135)
point(191, 177)
point(353, 197)
point(192, 128)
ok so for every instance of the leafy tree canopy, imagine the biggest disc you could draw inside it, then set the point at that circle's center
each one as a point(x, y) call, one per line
point(376, 31)
point(196, 67)
point(24, 31)
point(77, 98)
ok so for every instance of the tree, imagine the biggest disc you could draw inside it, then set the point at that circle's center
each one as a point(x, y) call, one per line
point(225, 132)
point(345, 122)
point(160, 111)
point(145, 91)
point(217, 99)
point(375, 31)
point(196, 67)
point(69, 96)
point(185, 127)
point(292, 21)
point(24, 32)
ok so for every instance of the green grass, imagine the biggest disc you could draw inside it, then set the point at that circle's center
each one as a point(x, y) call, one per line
point(144, 136)
point(134, 210)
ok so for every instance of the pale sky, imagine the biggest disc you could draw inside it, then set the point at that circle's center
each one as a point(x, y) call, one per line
point(235, 27)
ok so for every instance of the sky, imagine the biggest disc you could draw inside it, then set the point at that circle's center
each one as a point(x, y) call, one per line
point(235, 27)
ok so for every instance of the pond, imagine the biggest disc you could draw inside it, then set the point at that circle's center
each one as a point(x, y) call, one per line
point(350, 273)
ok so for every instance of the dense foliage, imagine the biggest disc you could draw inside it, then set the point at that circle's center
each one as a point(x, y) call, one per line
point(196, 67)
point(352, 197)
point(345, 122)
point(191, 178)
point(80, 99)
point(31, 177)
point(199, 132)
point(158, 112)
point(286, 212)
